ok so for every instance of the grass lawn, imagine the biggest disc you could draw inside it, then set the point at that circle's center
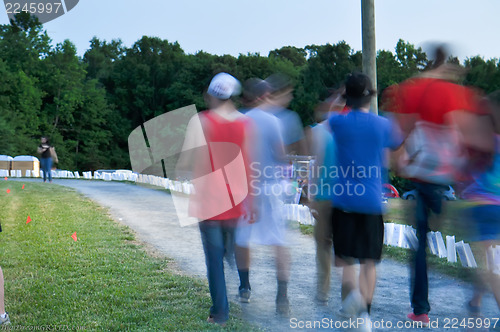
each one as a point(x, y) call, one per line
point(103, 281)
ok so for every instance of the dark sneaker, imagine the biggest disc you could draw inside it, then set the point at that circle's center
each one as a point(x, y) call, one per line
point(422, 319)
point(211, 320)
point(245, 295)
point(472, 309)
point(282, 306)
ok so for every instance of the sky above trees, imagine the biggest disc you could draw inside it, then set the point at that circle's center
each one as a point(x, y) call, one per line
point(234, 27)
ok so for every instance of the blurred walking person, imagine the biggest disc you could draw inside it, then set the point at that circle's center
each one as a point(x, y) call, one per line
point(278, 101)
point(323, 148)
point(47, 157)
point(215, 149)
point(439, 120)
point(483, 217)
point(4, 316)
point(267, 155)
point(358, 227)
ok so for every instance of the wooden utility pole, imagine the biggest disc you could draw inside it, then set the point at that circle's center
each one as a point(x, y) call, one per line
point(369, 49)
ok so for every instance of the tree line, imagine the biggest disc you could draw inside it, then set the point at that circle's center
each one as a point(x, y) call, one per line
point(88, 105)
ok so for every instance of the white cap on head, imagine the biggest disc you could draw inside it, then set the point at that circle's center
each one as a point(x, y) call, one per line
point(224, 86)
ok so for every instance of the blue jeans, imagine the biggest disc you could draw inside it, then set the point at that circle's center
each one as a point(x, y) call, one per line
point(217, 237)
point(46, 164)
point(428, 200)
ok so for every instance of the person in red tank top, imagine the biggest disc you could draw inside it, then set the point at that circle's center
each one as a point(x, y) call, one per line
point(217, 140)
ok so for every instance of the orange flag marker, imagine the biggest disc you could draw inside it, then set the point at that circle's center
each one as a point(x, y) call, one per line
point(22, 187)
point(8, 191)
point(73, 236)
point(5, 178)
point(28, 219)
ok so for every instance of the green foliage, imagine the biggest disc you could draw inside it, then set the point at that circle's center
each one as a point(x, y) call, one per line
point(483, 74)
point(411, 59)
point(297, 56)
point(88, 106)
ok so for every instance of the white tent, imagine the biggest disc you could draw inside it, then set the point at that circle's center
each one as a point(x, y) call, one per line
point(25, 158)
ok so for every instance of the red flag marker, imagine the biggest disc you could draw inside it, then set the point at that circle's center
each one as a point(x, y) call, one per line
point(8, 191)
point(73, 236)
point(28, 219)
point(5, 178)
point(22, 187)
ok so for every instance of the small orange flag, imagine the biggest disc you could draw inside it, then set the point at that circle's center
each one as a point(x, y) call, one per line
point(5, 178)
point(8, 191)
point(22, 187)
point(73, 236)
point(28, 219)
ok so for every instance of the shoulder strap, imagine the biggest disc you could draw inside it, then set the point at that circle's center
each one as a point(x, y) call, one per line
point(207, 126)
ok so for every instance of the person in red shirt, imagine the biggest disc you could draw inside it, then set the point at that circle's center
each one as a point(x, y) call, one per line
point(434, 100)
point(215, 149)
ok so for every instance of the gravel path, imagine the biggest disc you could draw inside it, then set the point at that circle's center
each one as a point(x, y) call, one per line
point(150, 213)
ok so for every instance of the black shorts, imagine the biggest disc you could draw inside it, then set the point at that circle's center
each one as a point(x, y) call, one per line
point(357, 235)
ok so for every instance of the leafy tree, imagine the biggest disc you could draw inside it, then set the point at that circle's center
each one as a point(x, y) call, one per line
point(327, 67)
point(297, 56)
point(143, 77)
point(412, 59)
point(483, 74)
point(101, 61)
point(20, 101)
point(23, 43)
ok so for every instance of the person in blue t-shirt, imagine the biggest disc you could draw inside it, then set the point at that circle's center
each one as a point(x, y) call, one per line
point(361, 139)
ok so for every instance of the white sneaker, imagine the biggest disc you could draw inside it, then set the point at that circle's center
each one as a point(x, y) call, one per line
point(6, 320)
point(345, 315)
point(366, 324)
point(353, 304)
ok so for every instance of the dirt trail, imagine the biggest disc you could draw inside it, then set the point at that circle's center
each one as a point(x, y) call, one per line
point(150, 213)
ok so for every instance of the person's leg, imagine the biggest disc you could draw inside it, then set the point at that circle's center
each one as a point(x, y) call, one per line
point(367, 281)
point(43, 165)
point(324, 244)
point(283, 259)
point(427, 199)
point(213, 246)
point(4, 317)
point(242, 255)
point(243, 264)
point(352, 300)
point(495, 286)
point(489, 278)
point(419, 281)
point(348, 277)
point(49, 169)
point(2, 303)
